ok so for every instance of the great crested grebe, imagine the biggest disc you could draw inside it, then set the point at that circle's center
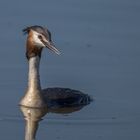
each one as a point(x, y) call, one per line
point(39, 38)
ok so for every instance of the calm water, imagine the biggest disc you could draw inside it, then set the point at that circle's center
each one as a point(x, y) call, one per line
point(99, 42)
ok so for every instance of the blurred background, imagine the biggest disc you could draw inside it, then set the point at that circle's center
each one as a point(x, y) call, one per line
point(99, 41)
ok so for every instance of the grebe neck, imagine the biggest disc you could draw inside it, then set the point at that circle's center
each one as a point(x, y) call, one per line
point(33, 96)
point(33, 75)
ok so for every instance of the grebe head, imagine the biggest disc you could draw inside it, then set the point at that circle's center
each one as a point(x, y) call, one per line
point(38, 38)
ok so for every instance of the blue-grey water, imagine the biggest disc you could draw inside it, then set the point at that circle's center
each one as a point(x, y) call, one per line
point(100, 45)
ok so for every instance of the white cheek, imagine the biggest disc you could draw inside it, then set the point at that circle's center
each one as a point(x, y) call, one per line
point(37, 41)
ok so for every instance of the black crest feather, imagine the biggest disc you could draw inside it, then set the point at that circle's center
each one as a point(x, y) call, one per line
point(35, 28)
point(26, 30)
point(38, 29)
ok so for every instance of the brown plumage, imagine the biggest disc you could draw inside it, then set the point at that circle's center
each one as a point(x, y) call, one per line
point(31, 48)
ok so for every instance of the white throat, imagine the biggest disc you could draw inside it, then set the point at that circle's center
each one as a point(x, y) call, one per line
point(33, 76)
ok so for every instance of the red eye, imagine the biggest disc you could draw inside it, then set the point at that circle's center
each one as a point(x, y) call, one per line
point(39, 36)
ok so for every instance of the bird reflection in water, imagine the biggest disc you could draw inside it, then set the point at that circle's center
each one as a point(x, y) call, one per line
point(56, 102)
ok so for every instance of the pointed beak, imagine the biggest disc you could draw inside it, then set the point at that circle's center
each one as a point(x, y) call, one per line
point(51, 46)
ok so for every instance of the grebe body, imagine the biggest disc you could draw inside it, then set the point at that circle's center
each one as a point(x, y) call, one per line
point(37, 39)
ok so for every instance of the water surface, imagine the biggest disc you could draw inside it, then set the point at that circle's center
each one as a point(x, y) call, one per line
point(99, 41)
